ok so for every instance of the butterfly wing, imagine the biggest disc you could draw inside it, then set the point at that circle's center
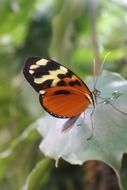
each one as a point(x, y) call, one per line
point(62, 93)
point(64, 102)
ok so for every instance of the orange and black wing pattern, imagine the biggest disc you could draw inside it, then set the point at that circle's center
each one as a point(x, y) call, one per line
point(61, 93)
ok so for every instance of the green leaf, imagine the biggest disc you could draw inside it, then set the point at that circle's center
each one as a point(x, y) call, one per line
point(63, 28)
point(4, 159)
point(39, 176)
point(109, 139)
point(17, 161)
point(17, 17)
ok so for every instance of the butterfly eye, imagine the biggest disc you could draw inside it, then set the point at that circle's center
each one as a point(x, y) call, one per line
point(97, 92)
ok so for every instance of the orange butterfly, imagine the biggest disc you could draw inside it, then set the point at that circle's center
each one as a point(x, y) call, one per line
point(61, 92)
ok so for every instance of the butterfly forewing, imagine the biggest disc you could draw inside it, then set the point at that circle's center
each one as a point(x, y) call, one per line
point(62, 93)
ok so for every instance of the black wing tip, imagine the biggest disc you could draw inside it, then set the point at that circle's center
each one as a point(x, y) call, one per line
point(29, 61)
point(26, 69)
point(34, 59)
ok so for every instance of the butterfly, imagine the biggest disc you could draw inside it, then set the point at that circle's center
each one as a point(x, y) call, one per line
point(61, 92)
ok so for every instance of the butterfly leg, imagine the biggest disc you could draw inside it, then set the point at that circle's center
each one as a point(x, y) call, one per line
point(89, 138)
point(82, 120)
point(91, 122)
point(117, 109)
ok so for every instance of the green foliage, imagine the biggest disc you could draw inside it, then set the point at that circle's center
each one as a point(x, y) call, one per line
point(39, 176)
point(62, 30)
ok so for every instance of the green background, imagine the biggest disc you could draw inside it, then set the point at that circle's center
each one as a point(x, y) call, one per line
point(73, 33)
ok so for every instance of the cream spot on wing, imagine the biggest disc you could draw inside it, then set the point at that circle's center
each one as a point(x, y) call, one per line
point(42, 92)
point(34, 66)
point(63, 68)
point(51, 76)
point(42, 79)
point(55, 81)
point(42, 62)
point(31, 72)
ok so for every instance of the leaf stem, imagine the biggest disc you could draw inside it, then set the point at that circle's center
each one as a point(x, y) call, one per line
point(93, 6)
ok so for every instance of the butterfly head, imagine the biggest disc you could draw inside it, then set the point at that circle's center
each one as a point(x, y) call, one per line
point(96, 92)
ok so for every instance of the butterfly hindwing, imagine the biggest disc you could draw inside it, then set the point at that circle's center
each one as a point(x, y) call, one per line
point(64, 102)
point(62, 93)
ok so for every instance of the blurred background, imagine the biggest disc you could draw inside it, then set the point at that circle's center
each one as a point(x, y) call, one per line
point(73, 33)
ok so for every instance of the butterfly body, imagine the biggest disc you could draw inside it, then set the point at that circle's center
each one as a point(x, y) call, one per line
point(61, 92)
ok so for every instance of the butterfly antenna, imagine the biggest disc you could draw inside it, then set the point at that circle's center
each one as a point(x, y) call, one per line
point(100, 70)
point(107, 101)
point(94, 75)
point(117, 109)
